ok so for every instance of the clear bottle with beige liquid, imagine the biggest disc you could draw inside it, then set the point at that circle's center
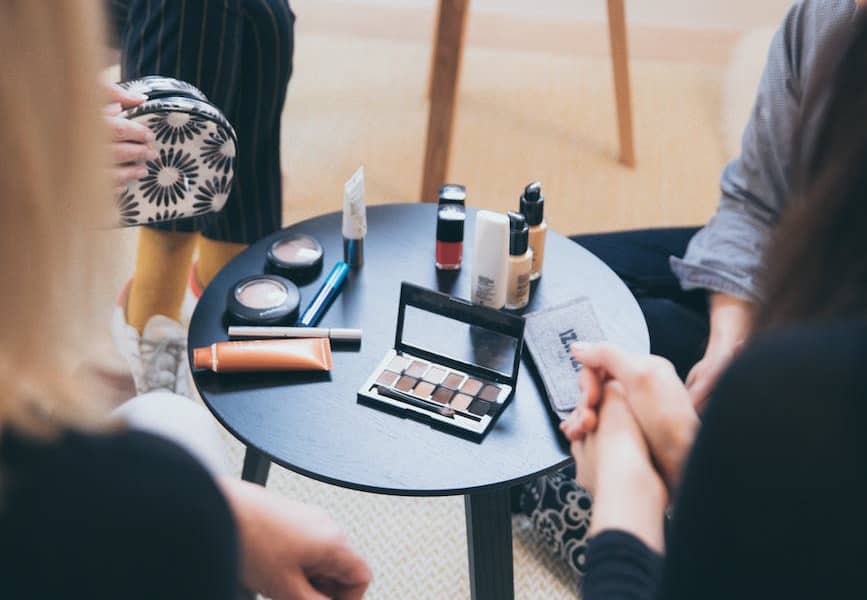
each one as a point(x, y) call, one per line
point(520, 263)
point(533, 208)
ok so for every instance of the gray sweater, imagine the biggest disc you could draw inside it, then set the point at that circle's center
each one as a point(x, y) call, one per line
point(727, 254)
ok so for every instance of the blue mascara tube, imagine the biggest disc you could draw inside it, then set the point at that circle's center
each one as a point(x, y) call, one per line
point(329, 290)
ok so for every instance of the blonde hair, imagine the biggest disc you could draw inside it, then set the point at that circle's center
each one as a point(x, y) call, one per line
point(53, 183)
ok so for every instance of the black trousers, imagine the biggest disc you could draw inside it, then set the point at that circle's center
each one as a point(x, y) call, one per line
point(239, 53)
point(677, 320)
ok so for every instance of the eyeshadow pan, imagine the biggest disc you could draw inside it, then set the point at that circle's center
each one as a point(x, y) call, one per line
point(417, 368)
point(490, 393)
point(435, 374)
point(423, 389)
point(461, 402)
point(387, 378)
point(471, 387)
point(443, 395)
point(398, 364)
point(405, 383)
point(453, 380)
point(479, 407)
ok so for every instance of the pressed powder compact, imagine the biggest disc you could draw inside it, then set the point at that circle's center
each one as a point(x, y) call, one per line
point(263, 300)
point(297, 257)
point(454, 364)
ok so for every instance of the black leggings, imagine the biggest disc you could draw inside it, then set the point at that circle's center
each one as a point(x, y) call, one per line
point(239, 53)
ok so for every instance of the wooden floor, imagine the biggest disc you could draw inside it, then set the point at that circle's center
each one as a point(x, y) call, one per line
point(535, 102)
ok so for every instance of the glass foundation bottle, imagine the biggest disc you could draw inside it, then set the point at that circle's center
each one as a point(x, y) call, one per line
point(520, 263)
point(533, 208)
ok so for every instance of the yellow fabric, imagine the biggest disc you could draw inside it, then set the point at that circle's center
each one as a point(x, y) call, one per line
point(213, 256)
point(161, 273)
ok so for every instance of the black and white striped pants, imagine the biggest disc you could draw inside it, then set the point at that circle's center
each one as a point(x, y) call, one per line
point(239, 53)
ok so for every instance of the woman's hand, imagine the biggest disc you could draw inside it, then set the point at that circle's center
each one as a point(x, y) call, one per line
point(730, 322)
point(291, 550)
point(613, 464)
point(661, 404)
point(132, 143)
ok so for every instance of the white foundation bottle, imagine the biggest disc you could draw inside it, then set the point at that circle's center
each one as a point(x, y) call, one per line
point(490, 259)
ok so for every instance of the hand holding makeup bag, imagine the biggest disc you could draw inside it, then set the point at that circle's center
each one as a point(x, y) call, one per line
point(196, 144)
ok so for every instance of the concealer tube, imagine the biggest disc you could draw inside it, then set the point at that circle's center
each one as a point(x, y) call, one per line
point(310, 354)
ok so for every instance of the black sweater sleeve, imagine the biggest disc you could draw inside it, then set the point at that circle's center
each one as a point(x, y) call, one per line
point(620, 567)
point(772, 502)
point(126, 515)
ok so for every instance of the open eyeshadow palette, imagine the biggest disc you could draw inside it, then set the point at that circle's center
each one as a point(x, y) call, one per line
point(454, 364)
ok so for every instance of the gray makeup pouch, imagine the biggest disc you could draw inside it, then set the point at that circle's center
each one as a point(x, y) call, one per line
point(548, 334)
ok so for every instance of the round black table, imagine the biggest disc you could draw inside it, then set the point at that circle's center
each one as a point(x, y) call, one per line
point(313, 424)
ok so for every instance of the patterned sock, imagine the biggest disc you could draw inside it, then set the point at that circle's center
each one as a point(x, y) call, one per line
point(161, 271)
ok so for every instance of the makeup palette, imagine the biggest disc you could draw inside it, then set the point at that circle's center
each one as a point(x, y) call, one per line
point(454, 364)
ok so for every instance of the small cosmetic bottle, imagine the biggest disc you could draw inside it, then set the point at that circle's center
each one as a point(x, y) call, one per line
point(520, 263)
point(354, 219)
point(490, 257)
point(533, 209)
point(450, 227)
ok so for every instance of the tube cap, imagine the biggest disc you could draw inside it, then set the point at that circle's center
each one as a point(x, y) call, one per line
point(202, 358)
point(519, 234)
point(533, 203)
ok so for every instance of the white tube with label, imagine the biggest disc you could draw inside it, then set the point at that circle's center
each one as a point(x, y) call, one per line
point(490, 259)
point(354, 219)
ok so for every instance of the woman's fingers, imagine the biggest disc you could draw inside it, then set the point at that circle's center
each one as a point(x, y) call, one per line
point(605, 356)
point(124, 130)
point(590, 383)
point(126, 173)
point(126, 99)
point(127, 152)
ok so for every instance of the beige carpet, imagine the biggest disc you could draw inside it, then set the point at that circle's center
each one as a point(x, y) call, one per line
point(531, 107)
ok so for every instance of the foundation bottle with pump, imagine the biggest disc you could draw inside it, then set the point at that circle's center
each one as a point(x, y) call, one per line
point(533, 208)
point(520, 263)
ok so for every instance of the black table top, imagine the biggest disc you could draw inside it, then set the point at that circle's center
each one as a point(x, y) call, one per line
point(313, 424)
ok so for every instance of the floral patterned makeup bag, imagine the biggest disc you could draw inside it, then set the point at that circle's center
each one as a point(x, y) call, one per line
point(196, 144)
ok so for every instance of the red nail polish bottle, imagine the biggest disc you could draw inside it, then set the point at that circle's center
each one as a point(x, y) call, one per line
point(450, 227)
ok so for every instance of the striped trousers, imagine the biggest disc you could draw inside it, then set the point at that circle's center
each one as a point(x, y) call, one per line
point(239, 53)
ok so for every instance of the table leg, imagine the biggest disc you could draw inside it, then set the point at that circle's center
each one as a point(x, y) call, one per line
point(256, 467)
point(489, 541)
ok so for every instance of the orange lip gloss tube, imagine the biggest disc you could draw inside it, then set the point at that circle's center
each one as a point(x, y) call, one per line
point(310, 354)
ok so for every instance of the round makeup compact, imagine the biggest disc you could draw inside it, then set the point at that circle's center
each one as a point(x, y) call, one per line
point(296, 256)
point(263, 300)
point(196, 144)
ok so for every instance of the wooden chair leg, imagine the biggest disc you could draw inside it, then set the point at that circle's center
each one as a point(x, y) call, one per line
point(433, 50)
point(447, 60)
point(620, 62)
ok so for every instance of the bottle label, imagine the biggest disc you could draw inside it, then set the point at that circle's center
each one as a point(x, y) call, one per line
point(523, 288)
point(485, 290)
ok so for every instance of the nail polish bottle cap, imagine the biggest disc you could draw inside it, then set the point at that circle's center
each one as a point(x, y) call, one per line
point(451, 214)
point(453, 193)
point(519, 234)
point(533, 204)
